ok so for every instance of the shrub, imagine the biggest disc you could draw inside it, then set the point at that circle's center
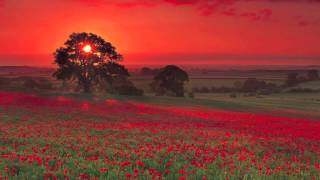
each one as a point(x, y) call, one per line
point(195, 89)
point(302, 90)
point(213, 89)
point(224, 89)
point(233, 95)
point(5, 82)
point(250, 94)
point(253, 85)
point(269, 88)
point(129, 90)
point(292, 79)
point(40, 84)
point(313, 75)
point(44, 84)
point(191, 95)
point(204, 90)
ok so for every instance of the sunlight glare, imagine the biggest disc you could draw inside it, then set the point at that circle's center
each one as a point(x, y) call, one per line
point(87, 48)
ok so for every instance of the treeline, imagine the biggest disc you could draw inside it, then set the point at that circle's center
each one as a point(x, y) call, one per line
point(167, 81)
point(295, 78)
point(26, 83)
point(253, 85)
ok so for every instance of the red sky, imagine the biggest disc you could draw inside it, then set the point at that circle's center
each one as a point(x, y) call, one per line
point(166, 31)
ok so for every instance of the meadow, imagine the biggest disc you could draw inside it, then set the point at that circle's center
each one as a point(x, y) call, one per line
point(214, 79)
point(60, 137)
point(63, 135)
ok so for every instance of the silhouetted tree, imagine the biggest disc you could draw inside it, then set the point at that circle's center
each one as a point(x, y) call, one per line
point(170, 79)
point(292, 79)
point(253, 85)
point(313, 75)
point(89, 59)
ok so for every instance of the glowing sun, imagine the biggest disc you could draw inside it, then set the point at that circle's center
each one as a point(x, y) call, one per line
point(87, 48)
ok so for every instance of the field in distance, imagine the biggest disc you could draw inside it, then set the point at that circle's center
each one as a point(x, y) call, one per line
point(306, 104)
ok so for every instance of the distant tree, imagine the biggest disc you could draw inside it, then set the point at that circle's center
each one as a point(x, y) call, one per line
point(213, 89)
point(128, 89)
point(205, 89)
point(313, 75)
point(170, 79)
point(292, 79)
point(191, 94)
point(272, 88)
point(253, 85)
point(233, 95)
point(122, 86)
point(88, 59)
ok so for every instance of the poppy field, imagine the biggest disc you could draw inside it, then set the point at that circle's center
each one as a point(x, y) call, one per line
point(61, 137)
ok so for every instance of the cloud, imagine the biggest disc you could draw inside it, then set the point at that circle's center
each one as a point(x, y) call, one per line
point(91, 3)
point(210, 7)
point(303, 22)
point(130, 4)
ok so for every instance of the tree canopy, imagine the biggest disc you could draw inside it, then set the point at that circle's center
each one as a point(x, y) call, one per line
point(313, 75)
point(170, 78)
point(88, 59)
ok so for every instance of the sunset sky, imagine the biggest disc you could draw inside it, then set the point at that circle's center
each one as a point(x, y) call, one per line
point(166, 31)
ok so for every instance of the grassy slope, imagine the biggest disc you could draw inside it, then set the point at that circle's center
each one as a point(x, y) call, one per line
point(294, 101)
point(289, 104)
point(296, 104)
point(311, 85)
point(305, 105)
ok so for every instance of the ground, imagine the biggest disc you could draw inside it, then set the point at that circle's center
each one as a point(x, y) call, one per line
point(58, 134)
point(72, 137)
point(293, 104)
